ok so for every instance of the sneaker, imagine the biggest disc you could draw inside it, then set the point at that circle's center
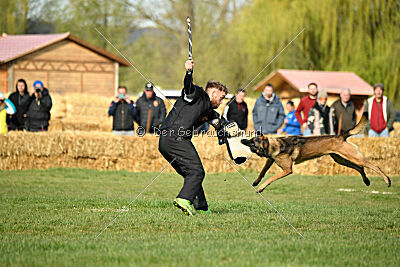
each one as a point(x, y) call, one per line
point(185, 205)
point(203, 211)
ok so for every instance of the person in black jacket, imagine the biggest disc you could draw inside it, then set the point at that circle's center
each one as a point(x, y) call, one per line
point(236, 110)
point(194, 107)
point(150, 110)
point(17, 120)
point(123, 111)
point(38, 106)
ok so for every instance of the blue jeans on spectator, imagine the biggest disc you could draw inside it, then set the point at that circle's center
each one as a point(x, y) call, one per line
point(307, 132)
point(384, 133)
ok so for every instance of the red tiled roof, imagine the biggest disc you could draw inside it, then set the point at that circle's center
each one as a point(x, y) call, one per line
point(15, 46)
point(331, 81)
point(11, 46)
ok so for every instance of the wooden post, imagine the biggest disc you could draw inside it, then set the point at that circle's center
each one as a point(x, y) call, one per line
point(116, 77)
point(10, 82)
point(47, 80)
point(81, 85)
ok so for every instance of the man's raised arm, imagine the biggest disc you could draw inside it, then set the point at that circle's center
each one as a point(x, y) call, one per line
point(189, 89)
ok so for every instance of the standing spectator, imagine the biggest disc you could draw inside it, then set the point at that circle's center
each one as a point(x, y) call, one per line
point(344, 112)
point(150, 110)
point(17, 120)
point(123, 111)
point(381, 113)
point(305, 105)
point(38, 106)
point(268, 113)
point(237, 110)
point(320, 117)
point(292, 126)
point(6, 107)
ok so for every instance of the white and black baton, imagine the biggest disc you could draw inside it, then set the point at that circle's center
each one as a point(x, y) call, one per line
point(190, 42)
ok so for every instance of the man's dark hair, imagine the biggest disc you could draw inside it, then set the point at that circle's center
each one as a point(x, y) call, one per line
point(217, 85)
point(270, 85)
point(290, 102)
point(308, 86)
point(24, 82)
point(379, 85)
point(240, 90)
point(124, 87)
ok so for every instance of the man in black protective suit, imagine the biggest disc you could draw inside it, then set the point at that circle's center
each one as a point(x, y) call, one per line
point(194, 107)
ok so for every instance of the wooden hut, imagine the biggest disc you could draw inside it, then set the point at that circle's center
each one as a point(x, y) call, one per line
point(63, 62)
point(292, 85)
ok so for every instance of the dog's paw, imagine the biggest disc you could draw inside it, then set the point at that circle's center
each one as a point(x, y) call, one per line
point(366, 182)
point(260, 189)
point(390, 182)
point(255, 183)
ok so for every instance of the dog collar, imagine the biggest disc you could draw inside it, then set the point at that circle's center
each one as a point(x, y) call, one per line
point(266, 150)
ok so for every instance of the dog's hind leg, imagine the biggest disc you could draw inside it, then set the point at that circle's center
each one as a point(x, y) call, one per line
point(378, 170)
point(267, 165)
point(342, 161)
point(351, 153)
point(286, 166)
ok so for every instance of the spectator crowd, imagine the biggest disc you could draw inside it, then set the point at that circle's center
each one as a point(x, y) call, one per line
point(313, 116)
point(28, 108)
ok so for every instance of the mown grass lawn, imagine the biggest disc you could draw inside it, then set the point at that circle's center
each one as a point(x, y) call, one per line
point(50, 217)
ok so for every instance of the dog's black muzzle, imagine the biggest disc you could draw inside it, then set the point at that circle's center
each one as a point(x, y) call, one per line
point(257, 148)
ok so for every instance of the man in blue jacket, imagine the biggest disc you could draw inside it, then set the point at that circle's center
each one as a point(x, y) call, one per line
point(268, 113)
point(292, 125)
point(123, 111)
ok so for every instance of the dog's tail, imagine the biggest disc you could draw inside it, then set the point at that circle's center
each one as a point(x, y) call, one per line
point(359, 128)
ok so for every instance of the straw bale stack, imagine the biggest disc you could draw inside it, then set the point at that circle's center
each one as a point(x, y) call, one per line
point(103, 151)
point(80, 112)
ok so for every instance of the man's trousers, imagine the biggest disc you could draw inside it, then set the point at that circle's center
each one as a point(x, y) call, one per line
point(187, 163)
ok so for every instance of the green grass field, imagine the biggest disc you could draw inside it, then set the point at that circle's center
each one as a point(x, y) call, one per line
point(50, 217)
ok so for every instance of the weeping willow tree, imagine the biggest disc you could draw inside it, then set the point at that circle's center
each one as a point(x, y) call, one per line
point(348, 35)
point(356, 35)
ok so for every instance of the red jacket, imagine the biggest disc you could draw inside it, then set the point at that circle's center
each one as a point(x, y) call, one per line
point(306, 103)
point(377, 120)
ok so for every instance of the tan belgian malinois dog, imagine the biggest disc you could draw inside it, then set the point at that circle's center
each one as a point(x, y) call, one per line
point(286, 151)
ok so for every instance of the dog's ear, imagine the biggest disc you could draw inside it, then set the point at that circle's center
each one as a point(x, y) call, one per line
point(246, 142)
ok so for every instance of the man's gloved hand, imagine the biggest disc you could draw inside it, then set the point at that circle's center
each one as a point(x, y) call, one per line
point(222, 133)
point(222, 136)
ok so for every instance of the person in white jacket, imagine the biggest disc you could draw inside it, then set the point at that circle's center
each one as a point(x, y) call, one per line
point(381, 113)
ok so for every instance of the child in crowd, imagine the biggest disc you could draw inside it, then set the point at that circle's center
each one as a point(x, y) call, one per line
point(292, 125)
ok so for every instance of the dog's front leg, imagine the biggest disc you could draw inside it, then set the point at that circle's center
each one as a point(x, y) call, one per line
point(267, 165)
point(286, 164)
point(272, 179)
